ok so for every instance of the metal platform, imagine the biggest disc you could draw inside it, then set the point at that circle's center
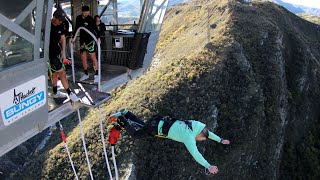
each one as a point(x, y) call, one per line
point(88, 97)
point(88, 94)
point(112, 77)
point(109, 72)
point(22, 69)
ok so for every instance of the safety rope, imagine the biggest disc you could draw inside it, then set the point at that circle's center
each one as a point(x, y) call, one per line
point(104, 144)
point(51, 71)
point(84, 145)
point(89, 47)
point(64, 139)
point(114, 163)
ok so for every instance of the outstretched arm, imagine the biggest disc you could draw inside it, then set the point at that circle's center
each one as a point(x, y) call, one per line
point(193, 150)
point(217, 138)
point(214, 137)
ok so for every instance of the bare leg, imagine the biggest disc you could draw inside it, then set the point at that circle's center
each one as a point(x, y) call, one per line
point(94, 61)
point(84, 60)
point(63, 78)
point(54, 79)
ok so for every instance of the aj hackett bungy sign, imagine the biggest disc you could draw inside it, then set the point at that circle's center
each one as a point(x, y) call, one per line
point(22, 100)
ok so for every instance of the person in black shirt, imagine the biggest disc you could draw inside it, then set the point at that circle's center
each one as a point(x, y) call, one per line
point(57, 55)
point(68, 35)
point(87, 43)
point(65, 25)
point(102, 29)
point(100, 25)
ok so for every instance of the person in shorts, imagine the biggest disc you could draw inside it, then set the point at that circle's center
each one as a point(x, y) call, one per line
point(87, 43)
point(57, 55)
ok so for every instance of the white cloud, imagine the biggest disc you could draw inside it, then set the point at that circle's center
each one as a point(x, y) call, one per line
point(307, 3)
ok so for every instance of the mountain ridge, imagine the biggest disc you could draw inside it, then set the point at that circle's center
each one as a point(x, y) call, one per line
point(298, 8)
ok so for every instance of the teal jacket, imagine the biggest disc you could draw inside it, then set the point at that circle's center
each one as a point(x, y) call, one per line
point(180, 132)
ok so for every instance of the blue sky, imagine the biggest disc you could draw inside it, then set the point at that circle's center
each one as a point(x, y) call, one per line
point(307, 3)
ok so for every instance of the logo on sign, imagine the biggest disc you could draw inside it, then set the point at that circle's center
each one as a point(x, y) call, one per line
point(17, 98)
point(23, 100)
point(23, 105)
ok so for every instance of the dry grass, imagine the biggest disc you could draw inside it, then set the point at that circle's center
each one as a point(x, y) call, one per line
point(312, 18)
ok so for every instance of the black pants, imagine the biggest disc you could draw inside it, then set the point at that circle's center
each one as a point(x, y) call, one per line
point(148, 129)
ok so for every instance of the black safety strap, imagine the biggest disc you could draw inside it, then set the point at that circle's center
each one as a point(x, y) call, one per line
point(168, 123)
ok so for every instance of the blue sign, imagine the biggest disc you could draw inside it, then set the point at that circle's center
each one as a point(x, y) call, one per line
point(24, 105)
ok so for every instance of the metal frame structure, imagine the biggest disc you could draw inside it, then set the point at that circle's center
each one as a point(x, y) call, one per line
point(22, 130)
point(29, 125)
